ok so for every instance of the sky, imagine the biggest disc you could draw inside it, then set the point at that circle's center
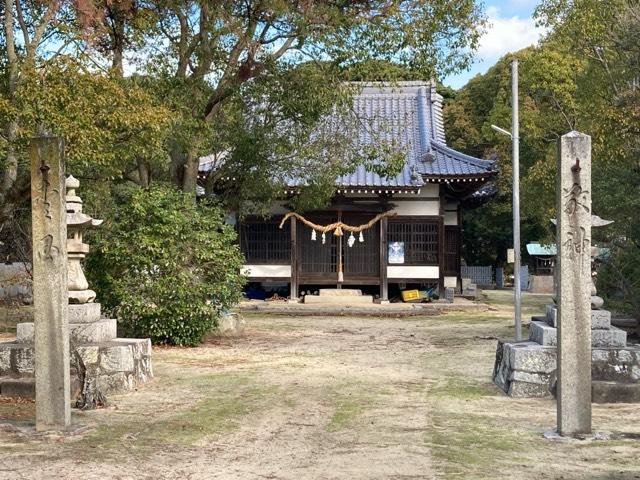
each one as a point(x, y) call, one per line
point(511, 27)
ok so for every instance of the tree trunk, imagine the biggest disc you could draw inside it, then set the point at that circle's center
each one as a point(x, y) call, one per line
point(209, 184)
point(118, 24)
point(144, 174)
point(10, 173)
point(177, 156)
point(190, 173)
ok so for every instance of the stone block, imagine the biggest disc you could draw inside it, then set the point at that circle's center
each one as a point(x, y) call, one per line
point(18, 387)
point(23, 360)
point(95, 332)
point(528, 377)
point(531, 357)
point(115, 383)
point(141, 346)
point(600, 319)
point(25, 332)
point(616, 364)
point(5, 359)
point(615, 392)
point(116, 358)
point(614, 337)
point(551, 313)
point(89, 354)
point(501, 367)
point(527, 390)
point(231, 324)
point(543, 333)
point(84, 313)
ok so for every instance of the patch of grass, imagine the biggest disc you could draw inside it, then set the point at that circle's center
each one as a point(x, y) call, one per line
point(347, 410)
point(468, 445)
point(463, 389)
point(222, 403)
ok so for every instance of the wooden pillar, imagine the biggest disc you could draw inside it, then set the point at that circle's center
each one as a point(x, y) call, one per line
point(294, 259)
point(384, 285)
point(441, 243)
point(50, 301)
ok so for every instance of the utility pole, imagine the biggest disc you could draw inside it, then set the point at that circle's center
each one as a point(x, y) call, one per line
point(515, 139)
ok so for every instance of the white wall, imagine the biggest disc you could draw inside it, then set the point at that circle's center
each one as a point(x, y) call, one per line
point(267, 271)
point(450, 282)
point(417, 272)
point(417, 207)
point(451, 218)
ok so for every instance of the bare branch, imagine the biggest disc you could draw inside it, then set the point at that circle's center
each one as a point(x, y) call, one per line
point(39, 30)
point(23, 25)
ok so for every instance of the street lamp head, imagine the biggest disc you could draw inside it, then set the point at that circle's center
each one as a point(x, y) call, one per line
point(501, 130)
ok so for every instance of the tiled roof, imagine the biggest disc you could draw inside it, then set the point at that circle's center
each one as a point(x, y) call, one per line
point(410, 115)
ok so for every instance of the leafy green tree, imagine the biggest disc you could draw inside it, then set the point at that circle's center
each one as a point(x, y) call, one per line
point(606, 36)
point(233, 55)
point(165, 266)
point(547, 110)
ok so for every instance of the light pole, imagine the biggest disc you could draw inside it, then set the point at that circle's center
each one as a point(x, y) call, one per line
point(515, 140)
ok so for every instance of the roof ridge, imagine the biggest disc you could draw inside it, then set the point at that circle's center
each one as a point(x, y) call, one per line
point(391, 83)
point(478, 162)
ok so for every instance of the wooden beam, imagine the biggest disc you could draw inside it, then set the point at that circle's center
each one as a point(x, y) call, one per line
point(441, 241)
point(384, 286)
point(294, 259)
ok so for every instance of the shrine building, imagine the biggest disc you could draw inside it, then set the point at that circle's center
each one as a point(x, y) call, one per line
point(415, 227)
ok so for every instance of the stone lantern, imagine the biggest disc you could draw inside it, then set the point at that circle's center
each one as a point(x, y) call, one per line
point(108, 364)
point(77, 222)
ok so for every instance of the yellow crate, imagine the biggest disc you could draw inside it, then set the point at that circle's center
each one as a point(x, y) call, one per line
point(410, 295)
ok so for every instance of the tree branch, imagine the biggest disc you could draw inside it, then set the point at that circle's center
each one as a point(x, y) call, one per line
point(23, 25)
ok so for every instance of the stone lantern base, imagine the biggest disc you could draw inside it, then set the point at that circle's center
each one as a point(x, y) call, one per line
point(110, 364)
point(529, 368)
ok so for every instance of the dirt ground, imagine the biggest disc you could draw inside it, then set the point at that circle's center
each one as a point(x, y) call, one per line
point(328, 398)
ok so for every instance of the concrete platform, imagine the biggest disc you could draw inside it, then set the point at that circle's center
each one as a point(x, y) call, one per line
point(371, 309)
point(338, 299)
point(339, 292)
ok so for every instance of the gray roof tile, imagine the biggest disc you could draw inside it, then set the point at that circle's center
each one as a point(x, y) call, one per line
point(410, 114)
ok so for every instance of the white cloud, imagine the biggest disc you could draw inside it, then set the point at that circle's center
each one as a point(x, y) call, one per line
point(507, 34)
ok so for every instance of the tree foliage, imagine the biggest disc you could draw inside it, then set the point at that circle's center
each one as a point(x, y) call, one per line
point(583, 76)
point(165, 266)
point(212, 66)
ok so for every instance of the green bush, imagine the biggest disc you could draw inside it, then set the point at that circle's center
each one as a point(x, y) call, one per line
point(165, 266)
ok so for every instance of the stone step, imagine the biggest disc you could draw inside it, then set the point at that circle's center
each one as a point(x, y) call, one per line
point(16, 359)
point(544, 334)
point(615, 392)
point(330, 300)
point(600, 319)
point(18, 387)
point(100, 331)
point(339, 292)
point(616, 364)
point(84, 312)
